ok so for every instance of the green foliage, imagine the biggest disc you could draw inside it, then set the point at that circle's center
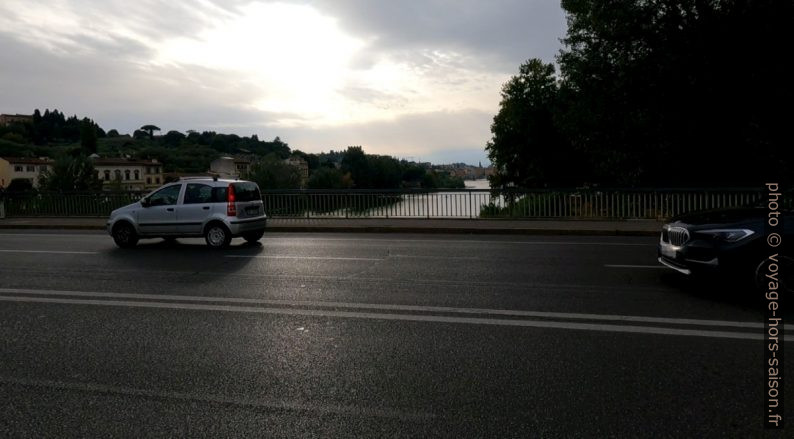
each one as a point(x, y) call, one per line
point(371, 171)
point(13, 149)
point(70, 174)
point(329, 178)
point(173, 138)
point(150, 129)
point(273, 173)
point(441, 180)
point(14, 138)
point(527, 148)
point(656, 93)
point(18, 185)
point(88, 136)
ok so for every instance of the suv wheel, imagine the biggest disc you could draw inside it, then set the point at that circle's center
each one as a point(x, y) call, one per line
point(217, 236)
point(124, 235)
point(253, 237)
point(785, 275)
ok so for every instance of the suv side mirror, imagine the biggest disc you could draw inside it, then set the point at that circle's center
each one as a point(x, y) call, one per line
point(145, 202)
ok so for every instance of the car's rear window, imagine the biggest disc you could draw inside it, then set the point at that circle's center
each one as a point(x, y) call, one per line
point(246, 191)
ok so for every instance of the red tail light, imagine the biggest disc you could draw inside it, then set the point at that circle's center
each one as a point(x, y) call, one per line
point(231, 209)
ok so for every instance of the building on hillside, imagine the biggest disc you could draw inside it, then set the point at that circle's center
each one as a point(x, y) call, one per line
point(243, 166)
point(27, 168)
point(8, 119)
point(170, 177)
point(230, 167)
point(128, 174)
point(302, 165)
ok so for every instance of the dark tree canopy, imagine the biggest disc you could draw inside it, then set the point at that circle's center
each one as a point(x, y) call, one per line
point(70, 174)
point(88, 136)
point(150, 129)
point(660, 93)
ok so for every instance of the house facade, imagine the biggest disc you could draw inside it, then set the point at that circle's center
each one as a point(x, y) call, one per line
point(128, 174)
point(27, 168)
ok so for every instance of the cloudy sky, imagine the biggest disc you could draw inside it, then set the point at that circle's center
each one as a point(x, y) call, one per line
point(414, 79)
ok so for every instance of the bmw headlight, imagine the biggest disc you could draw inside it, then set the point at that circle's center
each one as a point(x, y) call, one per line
point(727, 235)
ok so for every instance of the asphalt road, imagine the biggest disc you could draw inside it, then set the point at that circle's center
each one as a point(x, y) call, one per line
point(341, 335)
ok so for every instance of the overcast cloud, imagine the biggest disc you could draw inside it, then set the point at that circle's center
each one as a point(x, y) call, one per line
point(408, 78)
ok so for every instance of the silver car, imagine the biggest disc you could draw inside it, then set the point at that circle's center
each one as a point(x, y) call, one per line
point(216, 209)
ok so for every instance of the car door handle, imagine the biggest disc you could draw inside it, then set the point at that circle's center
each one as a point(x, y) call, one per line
point(170, 209)
point(206, 208)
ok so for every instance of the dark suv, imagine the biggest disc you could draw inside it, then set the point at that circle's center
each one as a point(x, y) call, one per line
point(730, 243)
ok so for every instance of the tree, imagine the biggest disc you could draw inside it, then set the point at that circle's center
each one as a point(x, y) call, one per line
point(173, 138)
point(70, 174)
point(18, 185)
point(88, 136)
point(150, 129)
point(654, 93)
point(650, 83)
point(113, 133)
point(329, 178)
point(355, 162)
point(527, 149)
point(273, 173)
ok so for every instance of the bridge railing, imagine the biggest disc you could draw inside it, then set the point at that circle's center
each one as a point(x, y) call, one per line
point(71, 204)
point(478, 203)
point(656, 204)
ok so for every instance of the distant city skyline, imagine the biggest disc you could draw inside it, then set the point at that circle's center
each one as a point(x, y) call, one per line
point(407, 79)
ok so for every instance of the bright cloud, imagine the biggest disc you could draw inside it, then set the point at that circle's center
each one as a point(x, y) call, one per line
point(322, 71)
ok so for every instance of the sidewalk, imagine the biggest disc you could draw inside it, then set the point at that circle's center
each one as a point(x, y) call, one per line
point(394, 225)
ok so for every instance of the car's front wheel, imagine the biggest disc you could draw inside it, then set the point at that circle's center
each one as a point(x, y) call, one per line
point(217, 236)
point(124, 235)
point(780, 271)
point(253, 237)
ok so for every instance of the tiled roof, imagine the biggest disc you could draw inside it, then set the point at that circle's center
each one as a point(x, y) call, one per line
point(123, 162)
point(28, 161)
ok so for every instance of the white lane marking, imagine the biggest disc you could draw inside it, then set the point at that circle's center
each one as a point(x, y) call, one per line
point(319, 258)
point(400, 317)
point(390, 307)
point(55, 252)
point(635, 266)
point(60, 235)
point(442, 258)
point(276, 404)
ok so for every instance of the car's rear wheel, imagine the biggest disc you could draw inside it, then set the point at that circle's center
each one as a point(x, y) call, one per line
point(217, 236)
point(253, 237)
point(124, 235)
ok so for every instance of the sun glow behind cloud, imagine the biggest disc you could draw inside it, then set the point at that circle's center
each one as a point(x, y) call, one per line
point(302, 64)
point(296, 56)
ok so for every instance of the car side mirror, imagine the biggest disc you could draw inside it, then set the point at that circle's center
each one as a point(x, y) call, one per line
point(145, 202)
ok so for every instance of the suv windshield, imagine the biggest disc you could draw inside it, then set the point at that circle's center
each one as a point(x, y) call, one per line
point(246, 191)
